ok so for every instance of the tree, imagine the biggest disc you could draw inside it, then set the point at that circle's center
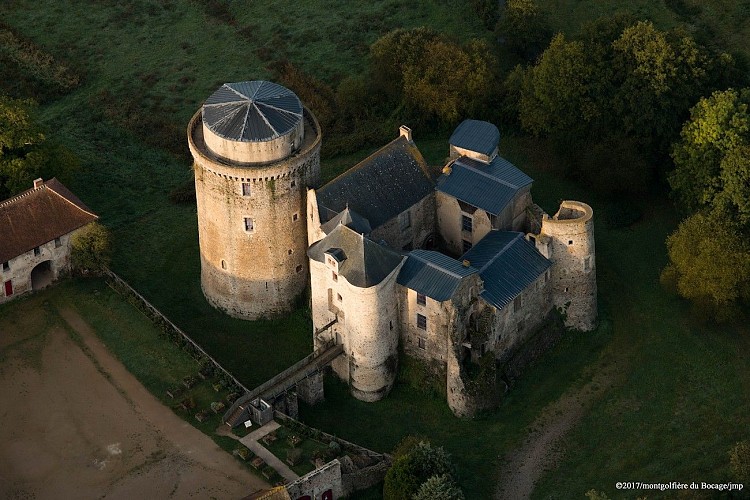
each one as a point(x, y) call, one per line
point(24, 153)
point(408, 472)
point(524, 29)
point(555, 97)
point(718, 125)
point(709, 262)
point(439, 487)
point(91, 249)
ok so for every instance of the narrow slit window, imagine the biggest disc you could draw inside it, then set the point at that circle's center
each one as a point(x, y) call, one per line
point(37, 251)
point(334, 276)
point(249, 226)
point(58, 242)
point(6, 266)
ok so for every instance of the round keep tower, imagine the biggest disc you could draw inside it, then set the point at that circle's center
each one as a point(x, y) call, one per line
point(256, 150)
point(573, 272)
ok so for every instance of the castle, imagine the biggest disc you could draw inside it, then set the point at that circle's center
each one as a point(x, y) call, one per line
point(455, 265)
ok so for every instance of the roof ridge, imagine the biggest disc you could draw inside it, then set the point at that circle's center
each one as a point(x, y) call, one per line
point(485, 174)
point(502, 251)
point(21, 195)
point(79, 207)
point(435, 266)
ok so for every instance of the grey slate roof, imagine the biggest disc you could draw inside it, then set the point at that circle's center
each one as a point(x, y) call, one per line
point(433, 274)
point(379, 187)
point(350, 219)
point(365, 264)
point(252, 111)
point(487, 186)
point(507, 264)
point(476, 135)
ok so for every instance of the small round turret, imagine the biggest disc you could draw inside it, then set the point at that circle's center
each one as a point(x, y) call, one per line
point(573, 273)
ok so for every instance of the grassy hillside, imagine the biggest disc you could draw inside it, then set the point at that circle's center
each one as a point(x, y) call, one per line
point(146, 66)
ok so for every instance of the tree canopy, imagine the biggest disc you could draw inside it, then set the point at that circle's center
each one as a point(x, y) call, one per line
point(24, 153)
point(411, 470)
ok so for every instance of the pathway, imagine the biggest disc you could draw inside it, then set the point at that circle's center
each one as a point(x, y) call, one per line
point(251, 441)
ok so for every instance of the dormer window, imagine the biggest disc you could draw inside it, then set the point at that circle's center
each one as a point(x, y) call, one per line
point(334, 258)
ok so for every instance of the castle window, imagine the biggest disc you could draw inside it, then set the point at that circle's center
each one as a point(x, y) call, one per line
point(223, 264)
point(293, 183)
point(467, 224)
point(58, 242)
point(404, 220)
point(334, 276)
point(587, 264)
point(245, 189)
point(570, 242)
point(422, 343)
point(566, 289)
point(390, 325)
point(295, 217)
point(249, 227)
point(421, 322)
point(289, 252)
point(37, 251)
point(339, 297)
point(6, 266)
point(299, 269)
point(421, 299)
point(466, 245)
point(9, 288)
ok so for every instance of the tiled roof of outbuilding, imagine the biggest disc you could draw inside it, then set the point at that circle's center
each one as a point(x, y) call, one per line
point(487, 186)
point(507, 263)
point(433, 274)
point(365, 262)
point(476, 135)
point(39, 215)
point(381, 186)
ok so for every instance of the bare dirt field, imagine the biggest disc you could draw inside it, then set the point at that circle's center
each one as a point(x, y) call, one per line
point(74, 423)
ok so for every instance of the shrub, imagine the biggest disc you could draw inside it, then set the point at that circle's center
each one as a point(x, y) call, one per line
point(739, 461)
point(442, 487)
point(407, 474)
point(91, 249)
point(294, 456)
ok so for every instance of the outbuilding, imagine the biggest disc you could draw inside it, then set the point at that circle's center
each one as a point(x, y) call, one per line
point(36, 227)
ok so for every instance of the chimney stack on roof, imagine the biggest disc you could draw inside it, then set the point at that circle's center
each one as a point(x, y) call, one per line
point(405, 131)
point(38, 183)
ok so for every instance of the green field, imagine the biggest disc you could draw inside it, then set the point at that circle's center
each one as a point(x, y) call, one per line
point(146, 66)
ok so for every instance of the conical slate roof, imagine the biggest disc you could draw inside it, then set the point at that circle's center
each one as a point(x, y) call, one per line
point(252, 111)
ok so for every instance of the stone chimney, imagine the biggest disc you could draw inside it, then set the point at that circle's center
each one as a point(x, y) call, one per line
point(405, 131)
point(38, 182)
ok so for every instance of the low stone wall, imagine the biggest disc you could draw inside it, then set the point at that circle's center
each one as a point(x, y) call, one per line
point(324, 482)
point(364, 478)
point(169, 328)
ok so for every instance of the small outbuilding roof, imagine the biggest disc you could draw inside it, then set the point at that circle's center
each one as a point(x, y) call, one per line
point(254, 111)
point(487, 186)
point(433, 274)
point(475, 135)
point(507, 264)
point(350, 219)
point(38, 216)
point(366, 263)
point(381, 186)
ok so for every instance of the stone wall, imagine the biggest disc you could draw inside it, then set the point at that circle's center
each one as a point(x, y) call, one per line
point(322, 483)
point(517, 321)
point(449, 220)
point(367, 325)
point(19, 268)
point(422, 225)
point(568, 240)
point(258, 271)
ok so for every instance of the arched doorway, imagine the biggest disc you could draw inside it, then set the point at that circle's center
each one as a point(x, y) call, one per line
point(41, 275)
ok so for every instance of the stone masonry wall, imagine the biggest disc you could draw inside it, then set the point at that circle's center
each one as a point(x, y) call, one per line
point(422, 225)
point(324, 482)
point(568, 240)
point(20, 267)
point(259, 272)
